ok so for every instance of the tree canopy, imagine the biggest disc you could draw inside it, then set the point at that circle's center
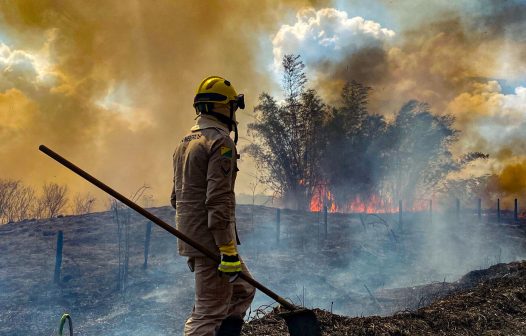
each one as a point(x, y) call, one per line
point(306, 149)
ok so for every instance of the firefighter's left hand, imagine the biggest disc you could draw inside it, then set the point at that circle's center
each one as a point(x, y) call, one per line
point(230, 264)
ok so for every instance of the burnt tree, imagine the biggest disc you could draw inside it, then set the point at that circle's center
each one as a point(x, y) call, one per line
point(355, 149)
point(344, 154)
point(288, 139)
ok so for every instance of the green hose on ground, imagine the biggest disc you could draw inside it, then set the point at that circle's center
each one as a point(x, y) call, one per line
point(62, 322)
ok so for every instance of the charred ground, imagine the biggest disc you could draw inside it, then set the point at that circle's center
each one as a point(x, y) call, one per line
point(366, 265)
point(487, 302)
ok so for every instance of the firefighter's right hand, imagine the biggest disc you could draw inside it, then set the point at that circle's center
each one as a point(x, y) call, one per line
point(230, 264)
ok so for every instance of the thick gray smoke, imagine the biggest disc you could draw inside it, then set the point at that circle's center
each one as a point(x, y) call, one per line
point(371, 253)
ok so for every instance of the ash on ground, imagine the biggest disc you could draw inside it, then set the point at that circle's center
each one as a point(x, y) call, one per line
point(357, 265)
point(486, 302)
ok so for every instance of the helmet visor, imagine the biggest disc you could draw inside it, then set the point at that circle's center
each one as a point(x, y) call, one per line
point(209, 97)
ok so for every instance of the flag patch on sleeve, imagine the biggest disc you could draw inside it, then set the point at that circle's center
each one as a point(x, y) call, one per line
point(226, 152)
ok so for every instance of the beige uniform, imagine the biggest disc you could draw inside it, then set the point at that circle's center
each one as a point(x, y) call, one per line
point(205, 169)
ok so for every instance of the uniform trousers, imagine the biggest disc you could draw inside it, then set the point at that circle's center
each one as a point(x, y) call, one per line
point(216, 298)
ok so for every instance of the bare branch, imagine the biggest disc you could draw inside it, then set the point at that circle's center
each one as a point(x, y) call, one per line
point(54, 199)
point(83, 204)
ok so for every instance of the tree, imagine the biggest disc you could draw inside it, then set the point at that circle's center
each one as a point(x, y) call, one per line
point(21, 204)
point(369, 158)
point(16, 201)
point(305, 148)
point(7, 190)
point(288, 140)
point(83, 204)
point(354, 149)
point(54, 199)
point(353, 112)
point(39, 208)
point(418, 158)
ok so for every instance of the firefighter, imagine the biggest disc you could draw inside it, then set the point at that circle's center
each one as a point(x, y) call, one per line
point(205, 169)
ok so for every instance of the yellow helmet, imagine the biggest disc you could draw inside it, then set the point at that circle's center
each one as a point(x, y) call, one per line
point(215, 89)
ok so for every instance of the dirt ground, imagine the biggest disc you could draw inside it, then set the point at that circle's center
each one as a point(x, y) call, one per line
point(364, 265)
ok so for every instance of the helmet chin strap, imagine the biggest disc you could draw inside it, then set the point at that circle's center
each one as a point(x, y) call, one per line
point(233, 122)
point(206, 109)
point(236, 134)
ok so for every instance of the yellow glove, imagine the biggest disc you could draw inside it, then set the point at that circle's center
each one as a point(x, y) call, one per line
point(230, 264)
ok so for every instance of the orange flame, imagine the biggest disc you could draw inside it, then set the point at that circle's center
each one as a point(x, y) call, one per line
point(373, 204)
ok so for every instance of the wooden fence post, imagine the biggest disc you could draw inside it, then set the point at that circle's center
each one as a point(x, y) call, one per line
point(58, 257)
point(147, 244)
point(479, 208)
point(278, 224)
point(516, 211)
point(458, 210)
point(498, 210)
point(400, 216)
point(318, 224)
point(325, 220)
point(431, 211)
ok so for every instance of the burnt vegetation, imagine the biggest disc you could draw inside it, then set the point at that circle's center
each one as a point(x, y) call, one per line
point(306, 146)
point(488, 302)
point(20, 202)
point(362, 268)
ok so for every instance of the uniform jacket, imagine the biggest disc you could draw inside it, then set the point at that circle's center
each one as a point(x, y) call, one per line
point(205, 169)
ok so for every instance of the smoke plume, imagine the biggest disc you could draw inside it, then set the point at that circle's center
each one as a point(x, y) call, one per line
point(110, 85)
point(466, 62)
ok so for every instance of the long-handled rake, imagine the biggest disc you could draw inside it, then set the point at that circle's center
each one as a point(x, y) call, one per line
point(300, 321)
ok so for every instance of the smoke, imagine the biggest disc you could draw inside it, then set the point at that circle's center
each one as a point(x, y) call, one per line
point(110, 86)
point(494, 123)
point(325, 39)
point(512, 179)
point(372, 250)
point(493, 120)
point(330, 30)
point(468, 61)
point(502, 18)
point(431, 63)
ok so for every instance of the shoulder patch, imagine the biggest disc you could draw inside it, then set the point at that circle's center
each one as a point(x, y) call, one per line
point(226, 166)
point(226, 151)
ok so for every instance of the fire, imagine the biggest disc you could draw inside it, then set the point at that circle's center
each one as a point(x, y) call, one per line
point(373, 204)
point(317, 201)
